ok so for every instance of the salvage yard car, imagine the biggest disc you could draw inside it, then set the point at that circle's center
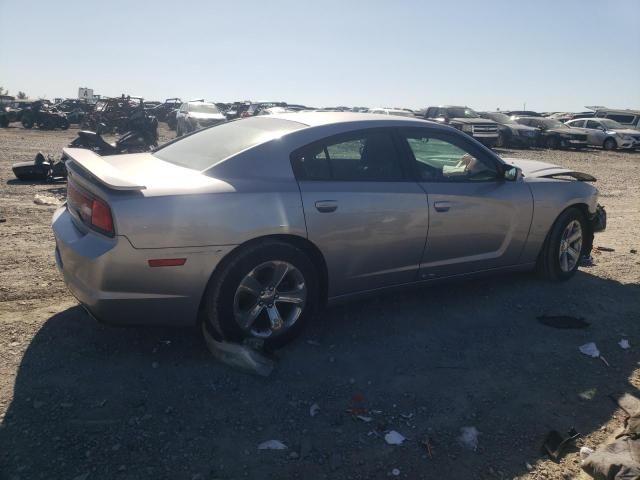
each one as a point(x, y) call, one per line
point(195, 115)
point(467, 120)
point(608, 134)
point(511, 133)
point(555, 134)
point(249, 226)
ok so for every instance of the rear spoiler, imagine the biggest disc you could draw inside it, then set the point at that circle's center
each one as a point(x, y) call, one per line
point(94, 165)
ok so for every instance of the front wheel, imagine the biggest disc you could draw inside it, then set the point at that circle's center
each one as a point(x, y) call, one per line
point(266, 292)
point(553, 143)
point(610, 144)
point(563, 248)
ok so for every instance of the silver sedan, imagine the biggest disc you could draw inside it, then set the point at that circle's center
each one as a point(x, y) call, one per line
point(251, 225)
point(607, 133)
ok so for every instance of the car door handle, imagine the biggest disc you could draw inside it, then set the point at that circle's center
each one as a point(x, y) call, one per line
point(442, 206)
point(326, 206)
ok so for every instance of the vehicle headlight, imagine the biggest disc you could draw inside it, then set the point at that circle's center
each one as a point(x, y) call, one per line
point(467, 128)
point(627, 137)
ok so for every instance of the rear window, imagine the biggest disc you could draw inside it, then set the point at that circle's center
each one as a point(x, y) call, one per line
point(209, 147)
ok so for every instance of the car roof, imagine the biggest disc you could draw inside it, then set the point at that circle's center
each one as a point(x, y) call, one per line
point(315, 119)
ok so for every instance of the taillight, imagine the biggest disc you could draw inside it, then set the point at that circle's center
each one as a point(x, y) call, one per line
point(93, 212)
point(101, 217)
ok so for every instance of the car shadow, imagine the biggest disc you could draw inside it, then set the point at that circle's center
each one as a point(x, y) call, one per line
point(93, 401)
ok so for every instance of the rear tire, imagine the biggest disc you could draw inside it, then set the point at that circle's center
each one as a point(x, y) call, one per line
point(610, 144)
point(227, 298)
point(552, 264)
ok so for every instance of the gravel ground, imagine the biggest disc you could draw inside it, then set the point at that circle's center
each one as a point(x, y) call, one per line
point(80, 400)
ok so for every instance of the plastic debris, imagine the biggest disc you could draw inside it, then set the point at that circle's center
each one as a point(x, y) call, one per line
point(590, 349)
point(624, 344)
point(314, 409)
point(395, 472)
point(394, 438)
point(45, 200)
point(272, 445)
point(364, 418)
point(585, 452)
point(239, 356)
point(469, 438)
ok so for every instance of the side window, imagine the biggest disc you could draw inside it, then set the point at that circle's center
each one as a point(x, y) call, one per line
point(580, 123)
point(365, 156)
point(621, 118)
point(183, 108)
point(439, 159)
point(593, 124)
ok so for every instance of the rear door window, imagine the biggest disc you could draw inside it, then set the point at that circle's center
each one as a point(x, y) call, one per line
point(365, 156)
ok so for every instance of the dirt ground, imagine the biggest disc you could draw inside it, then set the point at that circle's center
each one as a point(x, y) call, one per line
point(81, 400)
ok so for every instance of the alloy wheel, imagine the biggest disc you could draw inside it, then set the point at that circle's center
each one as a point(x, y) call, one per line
point(570, 246)
point(270, 299)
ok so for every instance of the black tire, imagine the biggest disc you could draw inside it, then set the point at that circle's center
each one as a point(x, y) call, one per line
point(548, 264)
point(553, 143)
point(610, 144)
point(27, 123)
point(220, 293)
point(64, 124)
point(4, 122)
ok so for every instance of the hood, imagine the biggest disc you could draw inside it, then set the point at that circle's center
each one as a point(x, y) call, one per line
point(624, 131)
point(536, 169)
point(206, 116)
point(473, 121)
point(567, 131)
point(517, 126)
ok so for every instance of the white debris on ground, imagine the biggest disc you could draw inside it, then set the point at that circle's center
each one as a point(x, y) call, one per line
point(272, 445)
point(624, 344)
point(469, 438)
point(45, 200)
point(394, 438)
point(314, 409)
point(590, 349)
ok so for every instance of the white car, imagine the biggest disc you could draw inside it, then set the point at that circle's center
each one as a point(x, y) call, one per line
point(392, 111)
point(195, 115)
point(607, 133)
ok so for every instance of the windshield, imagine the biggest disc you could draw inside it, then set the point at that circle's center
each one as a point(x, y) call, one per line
point(462, 113)
point(203, 108)
point(209, 147)
point(498, 117)
point(611, 124)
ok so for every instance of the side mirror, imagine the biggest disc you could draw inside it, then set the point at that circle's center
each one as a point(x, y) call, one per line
point(512, 173)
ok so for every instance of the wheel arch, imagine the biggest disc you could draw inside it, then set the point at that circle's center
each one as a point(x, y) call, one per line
point(583, 208)
point(308, 247)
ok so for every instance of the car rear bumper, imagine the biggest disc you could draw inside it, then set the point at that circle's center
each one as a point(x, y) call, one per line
point(115, 283)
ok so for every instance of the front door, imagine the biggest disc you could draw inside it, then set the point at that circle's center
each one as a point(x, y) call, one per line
point(362, 210)
point(477, 219)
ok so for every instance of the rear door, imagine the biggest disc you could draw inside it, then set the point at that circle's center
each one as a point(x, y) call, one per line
point(477, 220)
point(596, 133)
point(362, 210)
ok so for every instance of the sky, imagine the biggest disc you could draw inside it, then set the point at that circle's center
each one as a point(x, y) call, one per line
point(552, 55)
